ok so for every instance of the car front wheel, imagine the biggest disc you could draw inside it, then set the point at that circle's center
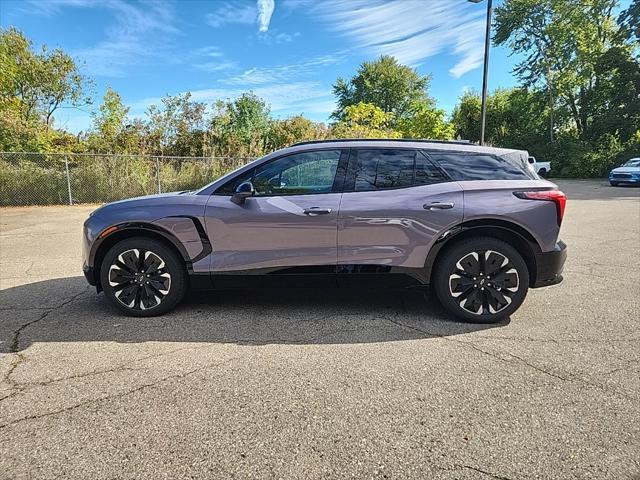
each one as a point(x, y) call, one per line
point(481, 280)
point(614, 184)
point(143, 277)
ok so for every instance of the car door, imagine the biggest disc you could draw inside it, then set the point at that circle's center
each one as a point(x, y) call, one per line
point(395, 204)
point(290, 222)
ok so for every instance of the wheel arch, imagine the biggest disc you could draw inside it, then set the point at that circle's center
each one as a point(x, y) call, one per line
point(130, 230)
point(515, 235)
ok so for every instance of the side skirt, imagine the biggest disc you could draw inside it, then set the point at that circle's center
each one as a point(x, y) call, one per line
point(342, 276)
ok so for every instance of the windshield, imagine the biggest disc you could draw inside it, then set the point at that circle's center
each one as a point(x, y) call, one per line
point(634, 162)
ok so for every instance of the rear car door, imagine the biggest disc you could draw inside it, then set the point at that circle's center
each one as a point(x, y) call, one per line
point(395, 204)
point(290, 223)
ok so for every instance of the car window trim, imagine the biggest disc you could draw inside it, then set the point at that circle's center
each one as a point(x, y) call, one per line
point(336, 181)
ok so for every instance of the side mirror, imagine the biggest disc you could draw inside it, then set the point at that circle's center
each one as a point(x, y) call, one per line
point(243, 191)
point(532, 160)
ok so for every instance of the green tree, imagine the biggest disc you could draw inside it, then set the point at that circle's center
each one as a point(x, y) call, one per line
point(240, 126)
point(563, 42)
point(177, 126)
point(288, 131)
point(39, 83)
point(391, 87)
point(364, 120)
point(109, 124)
point(426, 121)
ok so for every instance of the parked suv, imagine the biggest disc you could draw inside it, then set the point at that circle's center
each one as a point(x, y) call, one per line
point(475, 223)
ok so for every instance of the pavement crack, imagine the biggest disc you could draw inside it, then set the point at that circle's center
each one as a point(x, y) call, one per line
point(117, 395)
point(484, 472)
point(571, 378)
point(14, 344)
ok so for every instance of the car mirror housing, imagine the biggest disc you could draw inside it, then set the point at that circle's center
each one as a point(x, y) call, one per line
point(243, 191)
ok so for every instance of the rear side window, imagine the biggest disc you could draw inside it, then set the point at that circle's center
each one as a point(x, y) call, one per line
point(426, 172)
point(379, 169)
point(476, 166)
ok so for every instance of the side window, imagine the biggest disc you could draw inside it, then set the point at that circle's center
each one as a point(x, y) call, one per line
point(378, 169)
point(229, 188)
point(426, 172)
point(300, 173)
point(476, 166)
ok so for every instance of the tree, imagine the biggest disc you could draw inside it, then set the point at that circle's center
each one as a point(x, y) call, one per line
point(240, 126)
point(391, 87)
point(283, 133)
point(515, 117)
point(364, 120)
point(426, 121)
point(177, 126)
point(108, 124)
point(38, 82)
point(563, 42)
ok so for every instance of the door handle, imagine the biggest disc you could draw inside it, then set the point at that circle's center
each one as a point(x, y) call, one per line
point(438, 205)
point(312, 211)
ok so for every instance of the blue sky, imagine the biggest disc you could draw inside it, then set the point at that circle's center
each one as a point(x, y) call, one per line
point(289, 52)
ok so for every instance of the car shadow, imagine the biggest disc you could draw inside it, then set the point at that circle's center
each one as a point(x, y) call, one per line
point(67, 310)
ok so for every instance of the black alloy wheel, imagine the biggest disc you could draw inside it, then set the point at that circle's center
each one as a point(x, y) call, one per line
point(143, 277)
point(481, 280)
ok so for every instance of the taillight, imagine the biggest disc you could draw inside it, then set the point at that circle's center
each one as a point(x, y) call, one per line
point(556, 196)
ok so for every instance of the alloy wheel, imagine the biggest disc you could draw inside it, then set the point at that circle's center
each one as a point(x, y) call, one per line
point(484, 282)
point(139, 279)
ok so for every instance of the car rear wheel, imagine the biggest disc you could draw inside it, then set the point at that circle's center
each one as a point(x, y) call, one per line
point(481, 280)
point(543, 172)
point(143, 277)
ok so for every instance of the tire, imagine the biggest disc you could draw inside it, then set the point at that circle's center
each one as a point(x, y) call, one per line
point(614, 184)
point(484, 301)
point(143, 288)
point(543, 172)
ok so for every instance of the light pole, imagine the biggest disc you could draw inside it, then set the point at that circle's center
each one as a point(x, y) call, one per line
point(487, 44)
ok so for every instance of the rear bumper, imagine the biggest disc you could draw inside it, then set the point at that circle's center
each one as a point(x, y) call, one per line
point(549, 266)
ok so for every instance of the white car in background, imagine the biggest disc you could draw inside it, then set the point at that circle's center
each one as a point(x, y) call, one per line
point(541, 168)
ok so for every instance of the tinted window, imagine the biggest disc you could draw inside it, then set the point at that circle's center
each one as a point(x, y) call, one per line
point(475, 166)
point(230, 187)
point(383, 168)
point(427, 172)
point(308, 172)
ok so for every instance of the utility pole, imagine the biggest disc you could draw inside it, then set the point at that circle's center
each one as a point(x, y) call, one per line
point(487, 44)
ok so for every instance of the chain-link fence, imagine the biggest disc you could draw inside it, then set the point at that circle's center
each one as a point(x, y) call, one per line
point(58, 178)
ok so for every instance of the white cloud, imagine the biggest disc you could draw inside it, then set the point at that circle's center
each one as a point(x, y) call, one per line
point(139, 32)
point(284, 99)
point(233, 13)
point(284, 73)
point(411, 30)
point(216, 66)
point(265, 10)
point(243, 14)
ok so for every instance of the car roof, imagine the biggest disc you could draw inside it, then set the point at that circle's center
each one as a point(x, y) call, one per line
point(450, 145)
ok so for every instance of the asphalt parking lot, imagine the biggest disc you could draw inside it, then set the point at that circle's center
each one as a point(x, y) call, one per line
point(343, 384)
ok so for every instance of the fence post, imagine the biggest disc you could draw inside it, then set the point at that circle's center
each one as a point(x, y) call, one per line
point(66, 170)
point(158, 174)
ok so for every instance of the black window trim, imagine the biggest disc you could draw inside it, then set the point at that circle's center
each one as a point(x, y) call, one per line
point(338, 180)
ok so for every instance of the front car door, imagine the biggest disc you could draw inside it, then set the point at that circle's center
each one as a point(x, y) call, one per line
point(290, 225)
point(395, 205)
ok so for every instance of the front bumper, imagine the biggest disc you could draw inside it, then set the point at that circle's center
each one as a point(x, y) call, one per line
point(549, 266)
point(89, 274)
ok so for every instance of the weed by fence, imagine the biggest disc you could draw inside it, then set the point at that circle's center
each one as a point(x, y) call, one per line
point(57, 179)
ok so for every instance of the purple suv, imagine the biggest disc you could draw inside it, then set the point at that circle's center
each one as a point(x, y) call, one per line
point(475, 223)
